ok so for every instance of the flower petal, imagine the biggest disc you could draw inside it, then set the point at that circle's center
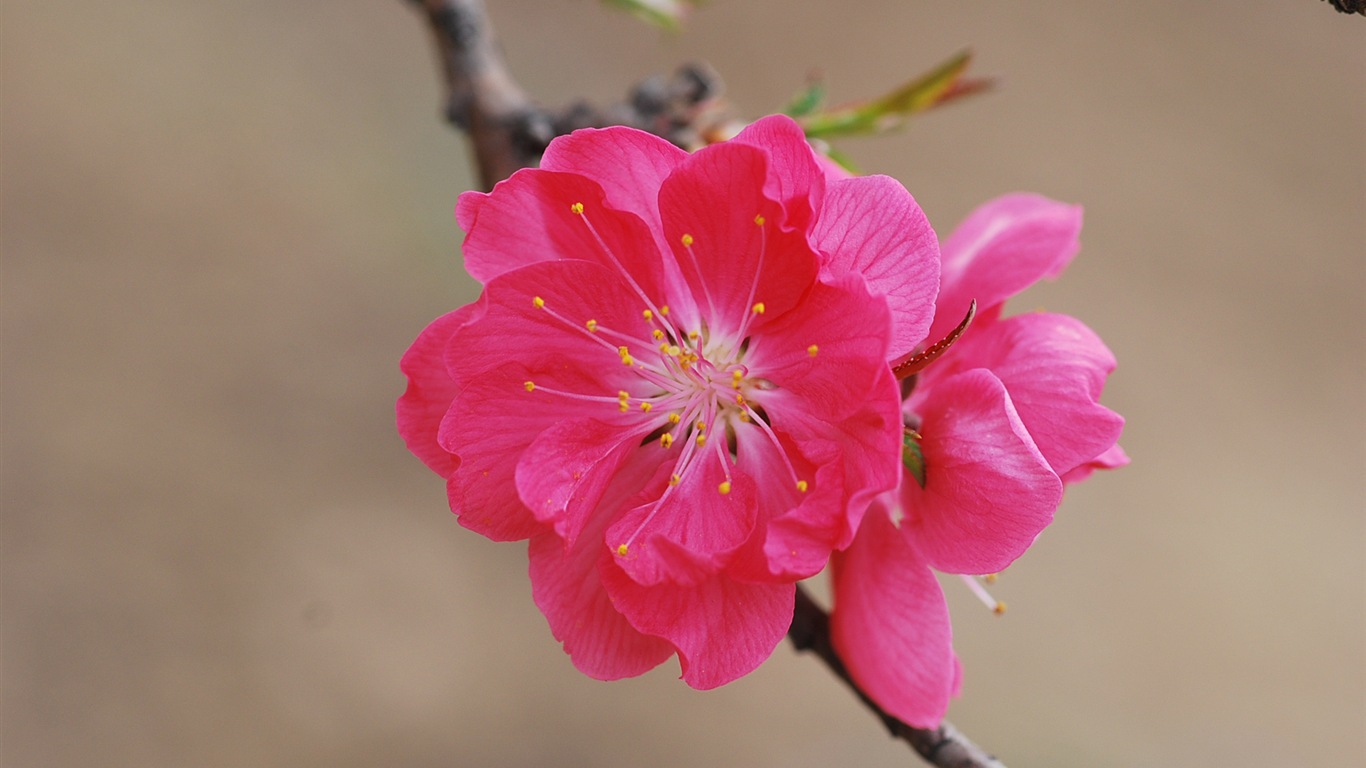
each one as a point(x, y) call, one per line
point(1003, 247)
point(683, 533)
point(729, 237)
point(871, 226)
point(567, 589)
point(1113, 458)
point(795, 178)
point(890, 624)
point(630, 166)
point(988, 490)
point(1054, 368)
point(430, 392)
point(563, 474)
point(537, 216)
point(723, 629)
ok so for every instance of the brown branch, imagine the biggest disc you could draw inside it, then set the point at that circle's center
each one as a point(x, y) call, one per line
point(944, 746)
point(510, 132)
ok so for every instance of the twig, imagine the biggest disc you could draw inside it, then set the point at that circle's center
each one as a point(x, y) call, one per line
point(944, 746)
point(509, 133)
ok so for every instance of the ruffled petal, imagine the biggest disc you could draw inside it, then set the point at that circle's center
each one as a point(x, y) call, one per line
point(795, 178)
point(684, 533)
point(1113, 458)
point(1054, 368)
point(988, 490)
point(855, 460)
point(537, 216)
point(890, 624)
point(1003, 247)
point(872, 227)
point(826, 359)
point(563, 474)
point(729, 241)
point(430, 392)
point(723, 629)
point(566, 587)
point(628, 164)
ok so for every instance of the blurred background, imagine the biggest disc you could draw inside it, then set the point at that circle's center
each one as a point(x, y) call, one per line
point(223, 223)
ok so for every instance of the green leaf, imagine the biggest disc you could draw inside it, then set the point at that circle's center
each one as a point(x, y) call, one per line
point(912, 458)
point(938, 86)
point(807, 101)
point(667, 14)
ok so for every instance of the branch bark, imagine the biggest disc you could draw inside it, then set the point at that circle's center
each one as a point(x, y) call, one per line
point(945, 746)
point(509, 132)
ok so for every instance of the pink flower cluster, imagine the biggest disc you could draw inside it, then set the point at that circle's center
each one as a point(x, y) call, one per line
point(677, 386)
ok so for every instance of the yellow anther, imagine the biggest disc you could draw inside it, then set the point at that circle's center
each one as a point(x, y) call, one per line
point(624, 400)
point(622, 351)
point(744, 417)
point(577, 208)
point(739, 399)
point(724, 487)
point(801, 486)
point(648, 315)
point(675, 479)
point(538, 302)
point(999, 609)
point(687, 240)
point(735, 377)
point(759, 219)
point(758, 308)
point(646, 407)
point(812, 350)
point(990, 578)
point(664, 347)
point(658, 334)
point(693, 335)
point(530, 385)
point(666, 440)
point(622, 550)
point(664, 310)
point(674, 418)
point(701, 440)
point(700, 426)
point(592, 326)
point(627, 361)
point(673, 349)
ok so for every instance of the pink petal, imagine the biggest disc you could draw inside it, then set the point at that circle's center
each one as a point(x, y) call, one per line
point(563, 474)
point(848, 329)
point(489, 427)
point(890, 624)
point(723, 629)
point(1113, 458)
point(553, 340)
point(988, 490)
point(430, 391)
point(567, 589)
point(1054, 368)
point(856, 460)
point(630, 166)
point(795, 178)
point(871, 226)
point(530, 218)
point(684, 533)
point(1002, 248)
point(738, 250)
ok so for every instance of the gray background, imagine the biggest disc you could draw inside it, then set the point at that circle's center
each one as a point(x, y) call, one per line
point(224, 222)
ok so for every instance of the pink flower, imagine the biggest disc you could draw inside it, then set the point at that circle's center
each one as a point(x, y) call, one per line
point(675, 384)
point(1004, 418)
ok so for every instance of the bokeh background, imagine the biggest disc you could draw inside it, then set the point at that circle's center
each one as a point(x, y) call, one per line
point(224, 222)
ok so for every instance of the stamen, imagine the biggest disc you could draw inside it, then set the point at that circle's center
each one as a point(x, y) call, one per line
point(666, 440)
point(812, 350)
point(675, 479)
point(802, 486)
point(758, 308)
point(538, 302)
point(577, 208)
point(592, 326)
point(530, 385)
point(646, 407)
point(997, 607)
point(648, 315)
point(724, 487)
point(622, 550)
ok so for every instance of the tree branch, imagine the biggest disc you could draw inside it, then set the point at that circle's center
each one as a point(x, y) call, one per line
point(944, 746)
point(510, 132)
